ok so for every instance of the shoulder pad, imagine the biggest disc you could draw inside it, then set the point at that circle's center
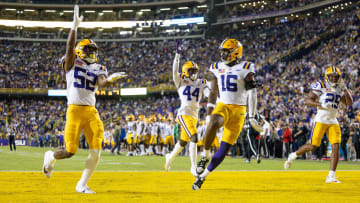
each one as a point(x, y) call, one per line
point(214, 66)
point(246, 65)
point(318, 85)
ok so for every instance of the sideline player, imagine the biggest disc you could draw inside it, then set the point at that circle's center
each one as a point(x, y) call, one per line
point(326, 96)
point(233, 81)
point(190, 89)
point(83, 76)
point(130, 135)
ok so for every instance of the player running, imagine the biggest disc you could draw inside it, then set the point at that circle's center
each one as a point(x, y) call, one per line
point(233, 81)
point(83, 75)
point(326, 96)
point(190, 90)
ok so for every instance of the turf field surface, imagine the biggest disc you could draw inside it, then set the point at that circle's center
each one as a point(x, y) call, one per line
point(142, 179)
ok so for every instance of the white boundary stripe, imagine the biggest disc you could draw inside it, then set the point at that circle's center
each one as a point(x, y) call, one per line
point(138, 171)
point(184, 126)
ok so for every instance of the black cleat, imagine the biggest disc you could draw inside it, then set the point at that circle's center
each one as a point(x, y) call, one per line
point(258, 159)
point(197, 185)
point(201, 165)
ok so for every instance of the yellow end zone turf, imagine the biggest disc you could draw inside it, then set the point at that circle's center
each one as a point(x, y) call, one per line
point(220, 186)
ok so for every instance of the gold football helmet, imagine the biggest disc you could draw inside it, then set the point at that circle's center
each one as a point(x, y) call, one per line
point(131, 118)
point(163, 119)
point(141, 117)
point(153, 118)
point(230, 50)
point(190, 70)
point(332, 75)
point(87, 50)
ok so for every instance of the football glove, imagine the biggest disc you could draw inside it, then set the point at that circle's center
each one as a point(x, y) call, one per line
point(77, 20)
point(255, 122)
point(178, 47)
point(116, 76)
point(342, 84)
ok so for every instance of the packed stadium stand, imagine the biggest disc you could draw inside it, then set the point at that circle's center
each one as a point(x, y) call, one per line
point(291, 42)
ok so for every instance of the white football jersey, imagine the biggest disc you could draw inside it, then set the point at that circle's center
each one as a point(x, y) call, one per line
point(155, 128)
point(162, 126)
point(330, 95)
point(231, 81)
point(131, 126)
point(190, 93)
point(140, 128)
point(81, 82)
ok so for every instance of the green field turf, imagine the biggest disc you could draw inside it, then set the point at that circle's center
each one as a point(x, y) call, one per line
point(31, 159)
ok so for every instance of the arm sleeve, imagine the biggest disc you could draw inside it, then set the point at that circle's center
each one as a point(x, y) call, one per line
point(252, 102)
point(176, 77)
point(252, 98)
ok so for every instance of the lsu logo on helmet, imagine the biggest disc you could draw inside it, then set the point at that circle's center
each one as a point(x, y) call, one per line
point(87, 50)
point(230, 50)
point(190, 70)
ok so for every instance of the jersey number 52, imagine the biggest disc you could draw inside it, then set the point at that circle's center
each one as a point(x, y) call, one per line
point(88, 83)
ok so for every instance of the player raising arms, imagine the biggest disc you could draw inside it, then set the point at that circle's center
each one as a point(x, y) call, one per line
point(190, 90)
point(326, 96)
point(232, 80)
point(83, 76)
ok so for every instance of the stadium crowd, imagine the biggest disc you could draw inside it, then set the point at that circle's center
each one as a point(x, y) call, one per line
point(319, 41)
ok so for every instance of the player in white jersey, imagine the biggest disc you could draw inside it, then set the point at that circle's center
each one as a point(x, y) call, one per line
point(162, 135)
point(140, 134)
point(201, 134)
point(232, 81)
point(83, 76)
point(155, 131)
point(190, 89)
point(130, 135)
point(326, 96)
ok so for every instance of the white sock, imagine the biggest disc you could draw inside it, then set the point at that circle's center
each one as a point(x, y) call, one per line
point(157, 149)
point(207, 153)
point(90, 165)
point(331, 173)
point(164, 150)
point(150, 149)
point(177, 149)
point(205, 173)
point(193, 153)
point(142, 148)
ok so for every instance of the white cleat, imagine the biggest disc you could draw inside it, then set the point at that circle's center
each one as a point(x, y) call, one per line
point(289, 161)
point(167, 162)
point(48, 166)
point(331, 180)
point(84, 189)
point(193, 171)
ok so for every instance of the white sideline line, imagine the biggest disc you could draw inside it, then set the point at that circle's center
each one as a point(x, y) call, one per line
point(139, 171)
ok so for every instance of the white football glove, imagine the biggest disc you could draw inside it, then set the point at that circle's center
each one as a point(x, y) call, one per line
point(77, 20)
point(342, 84)
point(116, 76)
point(254, 124)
